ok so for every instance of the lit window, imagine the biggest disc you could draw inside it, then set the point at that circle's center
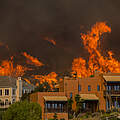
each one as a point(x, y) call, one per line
point(0, 92)
point(89, 88)
point(79, 87)
point(70, 95)
point(98, 87)
point(6, 91)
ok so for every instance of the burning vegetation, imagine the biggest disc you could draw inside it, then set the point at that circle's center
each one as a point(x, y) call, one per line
point(80, 66)
point(96, 61)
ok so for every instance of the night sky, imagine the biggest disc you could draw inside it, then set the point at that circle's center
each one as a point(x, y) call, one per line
point(23, 23)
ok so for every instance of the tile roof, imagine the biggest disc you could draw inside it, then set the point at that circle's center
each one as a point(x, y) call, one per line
point(7, 81)
point(112, 78)
point(55, 98)
point(89, 97)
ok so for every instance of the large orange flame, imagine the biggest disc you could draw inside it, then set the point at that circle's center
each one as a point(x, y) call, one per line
point(7, 69)
point(96, 61)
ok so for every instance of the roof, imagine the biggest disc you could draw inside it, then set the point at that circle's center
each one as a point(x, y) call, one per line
point(28, 86)
point(55, 98)
point(112, 78)
point(7, 81)
point(89, 97)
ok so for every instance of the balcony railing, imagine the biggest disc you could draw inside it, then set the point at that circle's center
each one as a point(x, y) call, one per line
point(112, 92)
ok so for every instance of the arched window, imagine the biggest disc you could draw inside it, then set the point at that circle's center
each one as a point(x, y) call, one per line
point(13, 100)
point(6, 102)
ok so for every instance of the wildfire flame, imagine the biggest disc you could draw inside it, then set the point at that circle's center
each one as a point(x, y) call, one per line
point(97, 61)
point(31, 60)
point(50, 78)
point(7, 69)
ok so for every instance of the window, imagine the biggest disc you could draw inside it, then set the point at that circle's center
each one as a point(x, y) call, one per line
point(79, 87)
point(55, 106)
point(6, 102)
point(116, 87)
point(89, 88)
point(48, 105)
point(6, 91)
point(108, 87)
point(98, 87)
point(70, 95)
point(13, 101)
point(14, 91)
point(0, 92)
point(84, 105)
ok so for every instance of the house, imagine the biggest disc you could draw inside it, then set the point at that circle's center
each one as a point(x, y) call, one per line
point(99, 92)
point(27, 88)
point(112, 90)
point(12, 89)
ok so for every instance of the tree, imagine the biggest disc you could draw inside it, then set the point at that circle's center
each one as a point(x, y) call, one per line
point(23, 111)
point(55, 117)
point(70, 102)
point(25, 96)
point(44, 87)
point(79, 103)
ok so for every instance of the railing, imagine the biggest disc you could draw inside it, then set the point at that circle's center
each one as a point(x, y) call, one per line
point(111, 92)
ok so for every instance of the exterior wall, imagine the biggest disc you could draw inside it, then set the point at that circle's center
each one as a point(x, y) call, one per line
point(19, 89)
point(71, 87)
point(38, 97)
point(3, 97)
point(93, 82)
point(8, 97)
point(59, 115)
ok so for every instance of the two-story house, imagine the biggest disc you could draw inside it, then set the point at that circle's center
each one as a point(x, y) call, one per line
point(12, 89)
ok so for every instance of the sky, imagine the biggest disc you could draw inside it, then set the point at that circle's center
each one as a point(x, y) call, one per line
point(25, 23)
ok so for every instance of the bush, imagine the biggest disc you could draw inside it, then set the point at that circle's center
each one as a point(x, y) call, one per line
point(62, 119)
point(70, 116)
point(23, 111)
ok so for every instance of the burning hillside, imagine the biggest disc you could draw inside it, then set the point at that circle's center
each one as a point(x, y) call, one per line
point(83, 67)
point(97, 61)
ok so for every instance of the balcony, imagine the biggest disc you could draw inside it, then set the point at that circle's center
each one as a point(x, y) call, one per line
point(112, 92)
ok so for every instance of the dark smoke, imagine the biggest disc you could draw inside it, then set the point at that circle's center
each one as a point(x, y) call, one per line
point(23, 22)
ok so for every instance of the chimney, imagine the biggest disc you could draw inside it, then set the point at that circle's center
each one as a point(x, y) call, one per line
point(19, 88)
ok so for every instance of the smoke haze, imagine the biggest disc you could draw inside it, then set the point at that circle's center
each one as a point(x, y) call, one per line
point(25, 23)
